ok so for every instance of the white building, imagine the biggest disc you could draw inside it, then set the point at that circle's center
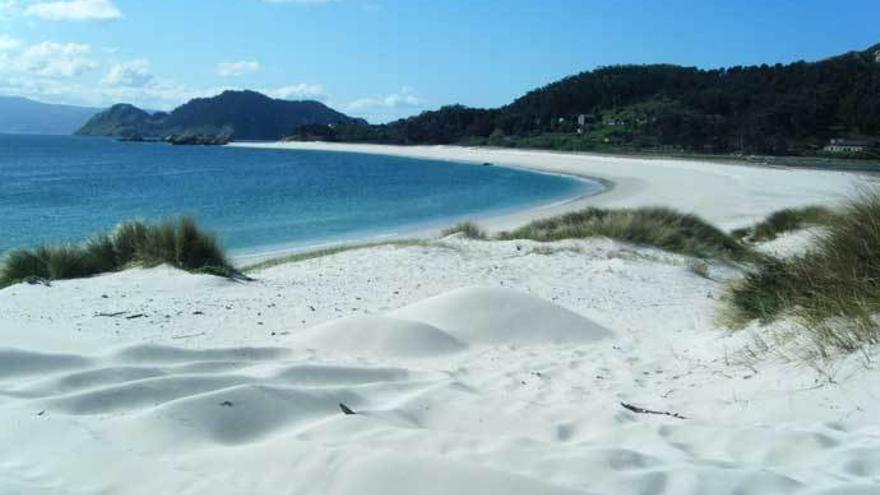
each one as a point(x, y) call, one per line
point(846, 146)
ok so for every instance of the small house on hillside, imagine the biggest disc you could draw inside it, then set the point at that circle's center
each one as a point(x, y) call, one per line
point(847, 146)
point(584, 122)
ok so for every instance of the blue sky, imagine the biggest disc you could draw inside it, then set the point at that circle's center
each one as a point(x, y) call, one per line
point(384, 59)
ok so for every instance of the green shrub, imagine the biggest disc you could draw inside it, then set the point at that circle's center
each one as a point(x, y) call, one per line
point(178, 243)
point(833, 289)
point(468, 230)
point(659, 227)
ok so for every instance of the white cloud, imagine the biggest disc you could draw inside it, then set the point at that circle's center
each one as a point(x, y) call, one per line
point(299, 92)
point(132, 73)
point(8, 43)
point(75, 10)
point(160, 94)
point(50, 59)
point(66, 73)
point(403, 99)
point(59, 72)
point(237, 68)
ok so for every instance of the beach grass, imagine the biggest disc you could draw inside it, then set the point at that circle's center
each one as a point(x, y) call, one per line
point(662, 228)
point(179, 243)
point(468, 230)
point(787, 220)
point(833, 289)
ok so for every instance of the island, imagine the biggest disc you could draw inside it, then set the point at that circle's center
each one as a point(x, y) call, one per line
point(231, 115)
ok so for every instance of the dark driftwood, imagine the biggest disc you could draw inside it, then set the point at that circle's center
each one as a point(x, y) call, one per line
point(112, 315)
point(642, 410)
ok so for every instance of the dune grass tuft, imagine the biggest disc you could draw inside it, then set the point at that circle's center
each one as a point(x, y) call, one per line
point(23, 264)
point(468, 230)
point(833, 289)
point(658, 227)
point(129, 238)
point(180, 243)
point(763, 294)
point(788, 220)
point(195, 249)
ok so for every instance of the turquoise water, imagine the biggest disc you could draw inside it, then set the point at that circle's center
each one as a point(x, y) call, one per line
point(59, 188)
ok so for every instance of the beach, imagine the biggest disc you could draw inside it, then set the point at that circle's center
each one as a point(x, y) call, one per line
point(728, 195)
point(493, 367)
point(246, 196)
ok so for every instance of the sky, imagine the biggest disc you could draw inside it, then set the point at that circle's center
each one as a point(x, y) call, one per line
point(386, 59)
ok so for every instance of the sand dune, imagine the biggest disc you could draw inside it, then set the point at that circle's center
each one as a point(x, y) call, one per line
point(379, 336)
point(498, 391)
point(15, 362)
point(494, 316)
point(473, 367)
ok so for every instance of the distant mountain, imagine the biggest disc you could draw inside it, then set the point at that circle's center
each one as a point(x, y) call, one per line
point(241, 115)
point(768, 109)
point(23, 116)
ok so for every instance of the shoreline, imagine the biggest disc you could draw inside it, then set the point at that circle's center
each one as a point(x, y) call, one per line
point(489, 220)
point(493, 220)
point(501, 364)
point(628, 182)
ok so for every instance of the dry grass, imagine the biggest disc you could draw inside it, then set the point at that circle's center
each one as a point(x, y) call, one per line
point(833, 291)
point(468, 230)
point(787, 220)
point(179, 243)
point(657, 227)
point(549, 251)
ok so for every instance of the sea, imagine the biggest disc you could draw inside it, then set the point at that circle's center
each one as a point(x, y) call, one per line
point(56, 189)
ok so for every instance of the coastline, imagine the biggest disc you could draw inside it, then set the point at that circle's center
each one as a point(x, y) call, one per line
point(494, 220)
point(726, 194)
point(500, 364)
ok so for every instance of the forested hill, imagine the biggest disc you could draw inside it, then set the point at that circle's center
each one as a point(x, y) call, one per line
point(241, 115)
point(778, 109)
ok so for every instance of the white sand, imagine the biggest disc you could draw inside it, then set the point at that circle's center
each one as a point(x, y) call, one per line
point(475, 367)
